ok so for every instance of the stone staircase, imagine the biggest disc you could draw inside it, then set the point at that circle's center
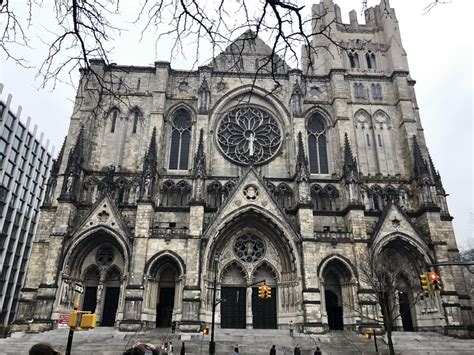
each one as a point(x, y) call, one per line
point(108, 341)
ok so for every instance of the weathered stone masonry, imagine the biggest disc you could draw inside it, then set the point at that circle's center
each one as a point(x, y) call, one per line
point(290, 185)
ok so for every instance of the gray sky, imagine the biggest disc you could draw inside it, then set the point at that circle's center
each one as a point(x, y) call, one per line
point(439, 47)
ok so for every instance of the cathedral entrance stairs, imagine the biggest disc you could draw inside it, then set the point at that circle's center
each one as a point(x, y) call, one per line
point(108, 341)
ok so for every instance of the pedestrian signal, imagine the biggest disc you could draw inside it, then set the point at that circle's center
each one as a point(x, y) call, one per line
point(435, 281)
point(425, 282)
point(205, 331)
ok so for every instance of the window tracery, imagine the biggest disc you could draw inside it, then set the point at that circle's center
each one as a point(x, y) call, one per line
point(214, 194)
point(175, 195)
point(249, 248)
point(249, 135)
point(317, 145)
point(180, 141)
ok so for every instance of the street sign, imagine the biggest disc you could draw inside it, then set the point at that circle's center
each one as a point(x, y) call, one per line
point(79, 288)
point(63, 320)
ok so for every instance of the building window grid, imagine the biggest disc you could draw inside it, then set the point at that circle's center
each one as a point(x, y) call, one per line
point(18, 238)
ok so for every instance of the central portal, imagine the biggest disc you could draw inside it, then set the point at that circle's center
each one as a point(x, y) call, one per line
point(233, 307)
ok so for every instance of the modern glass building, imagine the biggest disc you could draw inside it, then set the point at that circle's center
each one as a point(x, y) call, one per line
point(25, 165)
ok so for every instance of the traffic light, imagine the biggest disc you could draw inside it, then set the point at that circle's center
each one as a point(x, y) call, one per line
point(425, 282)
point(79, 320)
point(205, 331)
point(435, 281)
point(264, 291)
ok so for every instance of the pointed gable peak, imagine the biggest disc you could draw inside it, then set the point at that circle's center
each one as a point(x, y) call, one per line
point(248, 44)
point(104, 214)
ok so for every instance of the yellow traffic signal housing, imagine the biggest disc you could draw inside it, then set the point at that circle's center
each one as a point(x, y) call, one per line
point(435, 281)
point(261, 292)
point(88, 321)
point(425, 282)
point(73, 318)
point(81, 320)
point(205, 331)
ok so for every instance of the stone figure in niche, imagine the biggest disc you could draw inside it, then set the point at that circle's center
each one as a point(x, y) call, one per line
point(69, 183)
point(147, 186)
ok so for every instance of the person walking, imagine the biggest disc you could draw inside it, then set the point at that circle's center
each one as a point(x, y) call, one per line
point(173, 327)
point(297, 350)
point(183, 349)
point(170, 348)
point(273, 350)
point(317, 351)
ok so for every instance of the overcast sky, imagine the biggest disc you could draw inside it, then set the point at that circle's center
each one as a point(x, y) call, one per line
point(439, 47)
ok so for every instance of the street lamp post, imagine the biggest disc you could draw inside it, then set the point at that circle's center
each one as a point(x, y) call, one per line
point(212, 344)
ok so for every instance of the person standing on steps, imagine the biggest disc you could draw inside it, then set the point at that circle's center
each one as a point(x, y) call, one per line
point(236, 350)
point(317, 351)
point(170, 348)
point(297, 350)
point(173, 327)
point(273, 350)
point(183, 349)
point(291, 329)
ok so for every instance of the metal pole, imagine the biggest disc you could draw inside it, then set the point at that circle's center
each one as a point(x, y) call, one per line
point(212, 344)
point(71, 332)
point(375, 342)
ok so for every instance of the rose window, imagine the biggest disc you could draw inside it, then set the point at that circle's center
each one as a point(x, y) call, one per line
point(105, 255)
point(249, 135)
point(249, 248)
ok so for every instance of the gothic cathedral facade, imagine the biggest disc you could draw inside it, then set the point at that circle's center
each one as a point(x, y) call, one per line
point(219, 176)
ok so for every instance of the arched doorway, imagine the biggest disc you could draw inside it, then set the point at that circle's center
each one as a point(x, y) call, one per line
point(97, 262)
point(163, 290)
point(234, 294)
point(111, 296)
point(91, 282)
point(264, 311)
point(338, 293)
point(333, 297)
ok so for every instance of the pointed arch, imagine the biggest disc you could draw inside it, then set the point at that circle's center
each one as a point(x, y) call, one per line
point(162, 256)
point(318, 142)
point(113, 116)
point(137, 117)
point(180, 139)
point(232, 264)
point(214, 194)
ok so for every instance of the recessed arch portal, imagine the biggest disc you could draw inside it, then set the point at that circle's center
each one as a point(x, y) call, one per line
point(338, 290)
point(97, 259)
point(164, 287)
point(251, 245)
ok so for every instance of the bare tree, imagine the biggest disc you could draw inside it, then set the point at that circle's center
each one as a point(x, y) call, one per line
point(381, 274)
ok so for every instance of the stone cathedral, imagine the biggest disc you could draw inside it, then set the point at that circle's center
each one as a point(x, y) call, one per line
point(229, 173)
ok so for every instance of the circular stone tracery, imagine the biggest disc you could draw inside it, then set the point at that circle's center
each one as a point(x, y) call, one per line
point(104, 255)
point(249, 135)
point(249, 248)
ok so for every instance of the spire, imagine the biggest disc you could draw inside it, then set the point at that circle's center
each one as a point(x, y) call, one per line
point(57, 162)
point(74, 160)
point(147, 184)
point(419, 163)
point(199, 170)
point(149, 163)
point(302, 172)
point(435, 176)
point(350, 164)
